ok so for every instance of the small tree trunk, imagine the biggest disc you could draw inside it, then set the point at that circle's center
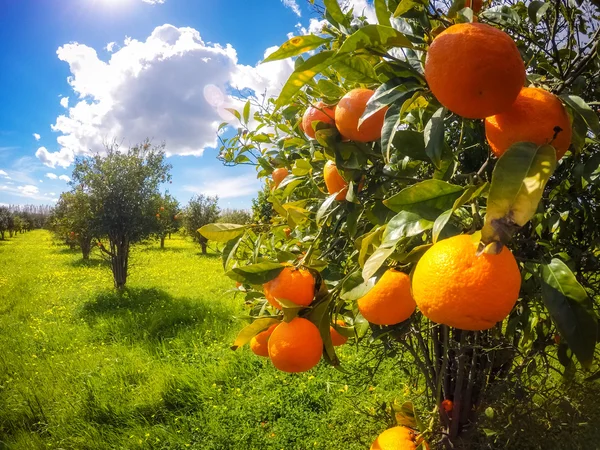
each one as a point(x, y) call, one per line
point(162, 241)
point(2, 234)
point(86, 246)
point(119, 261)
point(203, 245)
point(169, 235)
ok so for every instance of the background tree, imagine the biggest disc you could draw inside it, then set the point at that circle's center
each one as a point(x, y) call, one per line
point(6, 221)
point(122, 186)
point(237, 216)
point(262, 209)
point(167, 213)
point(201, 210)
point(73, 219)
point(430, 174)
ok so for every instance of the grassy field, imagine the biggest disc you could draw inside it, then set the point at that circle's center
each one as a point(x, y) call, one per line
point(84, 368)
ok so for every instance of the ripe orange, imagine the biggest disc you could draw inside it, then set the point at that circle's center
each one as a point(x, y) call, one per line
point(295, 346)
point(336, 338)
point(397, 438)
point(258, 344)
point(474, 70)
point(389, 302)
point(348, 112)
point(334, 181)
point(287, 232)
point(295, 285)
point(533, 117)
point(453, 286)
point(447, 405)
point(475, 5)
point(278, 176)
point(320, 112)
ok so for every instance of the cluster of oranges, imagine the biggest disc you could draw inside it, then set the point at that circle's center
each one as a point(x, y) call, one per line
point(294, 346)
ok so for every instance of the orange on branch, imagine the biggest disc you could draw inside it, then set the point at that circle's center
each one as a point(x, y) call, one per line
point(474, 70)
point(336, 338)
point(453, 286)
point(390, 301)
point(295, 346)
point(320, 112)
point(295, 285)
point(259, 343)
point(334, 181)
point(397, 438)
point(348, 112)
point(447, 405)
point(278, 176)
point(535, 116)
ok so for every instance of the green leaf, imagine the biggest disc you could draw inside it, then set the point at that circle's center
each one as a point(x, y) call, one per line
point(249, 331)
point(334, 10)
point(222, 232)
point(356, 287)
point(325, 206)
point(320, 317)
point(296, 46)
point(330, 89)
point(405, 224)
point(235, 113)
point(571, 309)
point(504, 15)
point(428, 195)
point(388, 131)
point(583, 109)
point(518, 183)
point(410, 143)
point(356, 69)
point(489, 412)
point(246, 111)
point(536, 11)
point(440, 223)
point(384, 95)
point(302, 75)
point(376, 260)
point(258, 273)
point(382, 13)
point(434, 137)
point(406, 5)
point(373, 36)
point(229, 251)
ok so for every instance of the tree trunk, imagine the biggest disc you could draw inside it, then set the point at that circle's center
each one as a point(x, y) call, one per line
point(119, 260)
point(162, 242)
point(2, 234)
point(203, 244)
point(86, 246)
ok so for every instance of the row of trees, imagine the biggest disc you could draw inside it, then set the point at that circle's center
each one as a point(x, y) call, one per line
point(116, 197)
point(19, 219)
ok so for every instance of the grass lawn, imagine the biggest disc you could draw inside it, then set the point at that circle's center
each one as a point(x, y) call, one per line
point(84, 368)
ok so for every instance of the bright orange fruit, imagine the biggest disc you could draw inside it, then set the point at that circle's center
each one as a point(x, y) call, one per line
point(295, 285)
point(390, 301)
point(336, 338)
point(258, 344)
point(474, 70)
point(278, 176)
point(535, 116)
point(349, 110)
point(295, 346)
point(397, 438)
point(320, 112)
point(334, 181)
point(455, 287)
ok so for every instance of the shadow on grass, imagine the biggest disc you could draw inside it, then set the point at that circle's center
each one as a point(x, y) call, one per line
point(140, 314)
point(63, 250)
point(167, 249)
point(90, 263)
point(209, 255)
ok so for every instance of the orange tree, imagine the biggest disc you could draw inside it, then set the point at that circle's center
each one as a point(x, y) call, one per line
point(427, 203)
point(168, 216)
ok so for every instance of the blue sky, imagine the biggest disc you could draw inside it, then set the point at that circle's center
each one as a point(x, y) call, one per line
point(77, 73)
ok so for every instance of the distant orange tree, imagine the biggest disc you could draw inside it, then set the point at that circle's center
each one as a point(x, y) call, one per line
point(478, 264)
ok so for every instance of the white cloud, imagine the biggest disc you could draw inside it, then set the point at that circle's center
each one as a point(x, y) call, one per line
point(171, 87)
point(3, 173)
point(36, 136)
point(154, 2)
point(110, 47)
point(64, 102)
point(63, 158)
point(363, 8)
point(51, 175)
point(64, 178)
point(28, 190)
point(291, 4)
point(227, 187)
point(41, 181)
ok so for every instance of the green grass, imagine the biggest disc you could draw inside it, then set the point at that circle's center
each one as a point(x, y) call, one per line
point(82, 367)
